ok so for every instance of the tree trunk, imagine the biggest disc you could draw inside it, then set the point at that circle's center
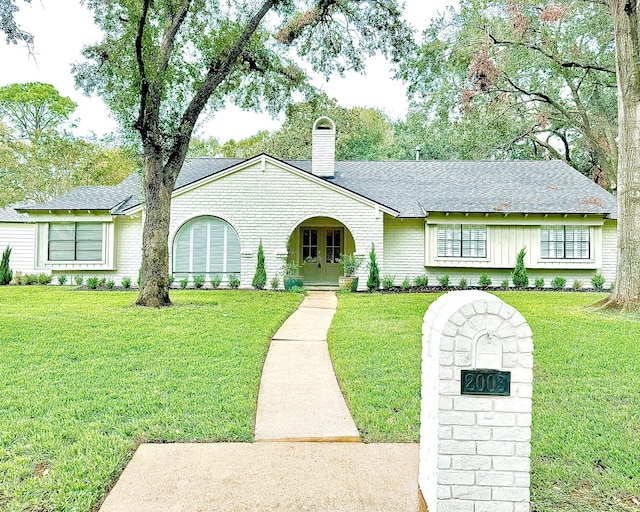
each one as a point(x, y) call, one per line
point(626, 295)
point(154, 272)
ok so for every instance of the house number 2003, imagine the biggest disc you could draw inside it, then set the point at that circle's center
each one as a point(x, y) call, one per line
point(485, 382)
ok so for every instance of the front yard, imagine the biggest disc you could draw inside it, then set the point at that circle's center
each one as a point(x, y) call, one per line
point(84, 377)
point(586, 404)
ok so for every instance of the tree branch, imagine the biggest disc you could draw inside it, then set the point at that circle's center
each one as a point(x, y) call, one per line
point(144, 82)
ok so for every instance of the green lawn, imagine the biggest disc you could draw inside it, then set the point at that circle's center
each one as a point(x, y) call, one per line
point(84, 377)
point(586, 405)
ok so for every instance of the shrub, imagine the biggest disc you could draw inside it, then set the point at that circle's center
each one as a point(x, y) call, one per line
point(406, 284)
point(29, 279)
point(170, 279)
point(275, 282)
point(539, 283)
point(260, 277)
point(350, 264)
point(519, 275)
point(6, 274)
point(234, 282)
point(184, 282)
point(505, 284)
point(79, 279)
point(62, 279)
point(92, 283)
point(463, 283)
point(215, 282)
point(43, 278)
point(558, 283)
point(388, 282)
point(18, 277)
point(198, 281)
point(484, 281)
point(597, 281)
point(126, 283)
point(577, 284)
point(298, 289)
point(444, 281)
point(373, 282)
point(421, 281)
point(102, 282)
point(110, 284)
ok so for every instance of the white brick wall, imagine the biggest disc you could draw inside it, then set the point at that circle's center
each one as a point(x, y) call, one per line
point(268, 202)
point(474, 450)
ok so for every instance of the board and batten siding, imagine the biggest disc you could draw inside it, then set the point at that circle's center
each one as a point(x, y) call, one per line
point(21, 237)
point(609, 251)
point(128, 247)
point(267, 201)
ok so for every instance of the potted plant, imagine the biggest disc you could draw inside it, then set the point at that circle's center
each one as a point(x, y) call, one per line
point(350, 264)
point(291, 275)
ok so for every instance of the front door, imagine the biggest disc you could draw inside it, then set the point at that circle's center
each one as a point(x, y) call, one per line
point(321, 250)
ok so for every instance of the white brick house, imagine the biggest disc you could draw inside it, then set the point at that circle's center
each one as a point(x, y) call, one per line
point(424, 217)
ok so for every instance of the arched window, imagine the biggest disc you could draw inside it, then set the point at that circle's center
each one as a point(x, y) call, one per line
point(206, 246)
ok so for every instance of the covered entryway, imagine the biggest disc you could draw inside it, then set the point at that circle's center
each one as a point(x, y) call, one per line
point(316, 244)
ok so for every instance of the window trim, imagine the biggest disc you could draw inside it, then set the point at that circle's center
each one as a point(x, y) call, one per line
point(574, 243)
point(76, 242)
point(458, 238)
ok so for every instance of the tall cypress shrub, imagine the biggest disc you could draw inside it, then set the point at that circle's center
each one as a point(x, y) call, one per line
point(373, 283)
point(260, 277)
point(519, 275)
point(6, 274)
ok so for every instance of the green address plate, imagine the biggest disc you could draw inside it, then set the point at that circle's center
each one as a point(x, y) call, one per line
point(485, 382)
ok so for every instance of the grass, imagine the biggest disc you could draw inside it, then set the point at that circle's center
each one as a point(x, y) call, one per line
point(586, 404)
point(85, 377)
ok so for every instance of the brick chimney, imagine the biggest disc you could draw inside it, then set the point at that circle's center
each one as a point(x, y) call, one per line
point(323, 152)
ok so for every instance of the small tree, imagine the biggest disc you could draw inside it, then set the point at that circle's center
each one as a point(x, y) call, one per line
point(519, 275)
point(6, 274)
point(260, 277)
point(373, 283)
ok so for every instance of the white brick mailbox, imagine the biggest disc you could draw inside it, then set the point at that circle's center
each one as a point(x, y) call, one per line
point(477, 373)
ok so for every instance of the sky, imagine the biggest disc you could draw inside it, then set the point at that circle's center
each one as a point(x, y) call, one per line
point(62, 27)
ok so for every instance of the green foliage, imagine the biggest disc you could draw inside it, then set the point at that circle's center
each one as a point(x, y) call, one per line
point(463, 283)
point(388, 282)
point(184, 282)
point(29, 279)
point(507, 80)
point(373, 282)
point(43, 278)
point(558, 283)
point(421, 281)
point(519, 276)
point(539, 282)
point(198, 281)
point(260, 277)
point(300, 289)
point(215, 282)
point(78, 279)
point(92, 283)
point(597, 281)
point(444, 281)
point(171, 279)
point(102, 282)
point(484, 281)
point(6, 274)
point(504, 284)
point(275, 282)
point(18, 277)
point(126, 282)
point(62, 279)
point(577, 285)
point(350, 264)
point(110, 284)
point(406, 284)
point(234, 281)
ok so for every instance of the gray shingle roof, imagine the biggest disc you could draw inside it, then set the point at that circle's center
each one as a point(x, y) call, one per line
point(8, 214)
point(409, 187)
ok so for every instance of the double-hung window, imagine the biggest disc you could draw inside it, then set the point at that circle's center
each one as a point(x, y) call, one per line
point(462, 241)
point(75, 241)
point(565, 242)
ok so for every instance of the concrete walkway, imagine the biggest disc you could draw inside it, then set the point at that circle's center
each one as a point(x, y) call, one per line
point(299, 400)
